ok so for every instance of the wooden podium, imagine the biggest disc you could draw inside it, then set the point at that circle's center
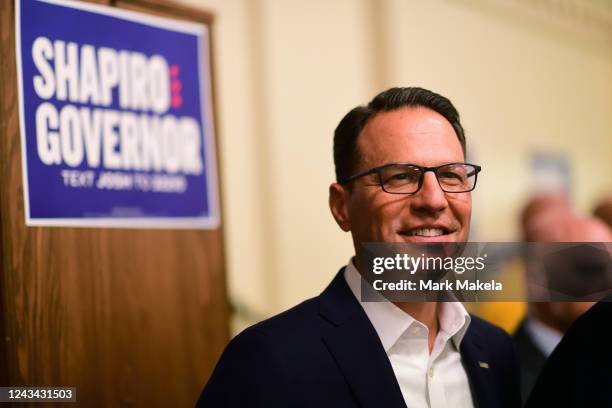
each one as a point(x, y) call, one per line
point(129, 317)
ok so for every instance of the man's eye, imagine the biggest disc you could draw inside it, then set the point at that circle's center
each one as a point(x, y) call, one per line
point(403, 177)
point(451, 176)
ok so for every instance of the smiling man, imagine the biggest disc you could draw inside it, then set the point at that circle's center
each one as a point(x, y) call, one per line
point(401, 176)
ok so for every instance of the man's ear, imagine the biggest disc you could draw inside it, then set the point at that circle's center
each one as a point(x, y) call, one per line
point(338, 197)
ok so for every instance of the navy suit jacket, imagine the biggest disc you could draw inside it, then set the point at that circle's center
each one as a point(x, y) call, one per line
point(326, 353)
point(579, 371)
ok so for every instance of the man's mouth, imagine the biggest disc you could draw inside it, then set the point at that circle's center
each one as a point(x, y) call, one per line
point(427, 232)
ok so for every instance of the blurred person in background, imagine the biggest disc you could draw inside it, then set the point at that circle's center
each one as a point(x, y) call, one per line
point(603, 211)
point(550, 218)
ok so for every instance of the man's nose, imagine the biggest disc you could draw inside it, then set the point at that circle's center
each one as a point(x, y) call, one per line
point(430, 198)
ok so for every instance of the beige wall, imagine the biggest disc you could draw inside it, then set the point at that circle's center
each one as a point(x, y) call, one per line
point(524, 74)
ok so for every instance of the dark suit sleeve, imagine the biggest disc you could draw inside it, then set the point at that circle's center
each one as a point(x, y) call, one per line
point(578, 373)
point(555, 384)
point(248, 374)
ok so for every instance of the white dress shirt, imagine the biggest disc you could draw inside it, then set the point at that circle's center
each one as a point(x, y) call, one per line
point(432, 380)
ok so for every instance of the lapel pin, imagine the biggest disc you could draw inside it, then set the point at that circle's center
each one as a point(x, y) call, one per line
point(483, 364)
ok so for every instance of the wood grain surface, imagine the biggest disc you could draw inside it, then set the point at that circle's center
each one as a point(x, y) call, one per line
point(128, 317)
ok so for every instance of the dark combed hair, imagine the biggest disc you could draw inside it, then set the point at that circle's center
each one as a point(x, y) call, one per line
point(346, 154)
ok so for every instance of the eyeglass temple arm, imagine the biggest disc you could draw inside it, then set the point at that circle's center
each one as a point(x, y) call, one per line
point(358, 175)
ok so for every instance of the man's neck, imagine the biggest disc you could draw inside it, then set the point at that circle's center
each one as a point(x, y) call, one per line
point(426, 313)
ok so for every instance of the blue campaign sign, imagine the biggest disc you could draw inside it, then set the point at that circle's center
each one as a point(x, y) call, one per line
point(116, 118)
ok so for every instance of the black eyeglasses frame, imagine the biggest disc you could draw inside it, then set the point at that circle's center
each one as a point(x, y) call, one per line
point(424, 169)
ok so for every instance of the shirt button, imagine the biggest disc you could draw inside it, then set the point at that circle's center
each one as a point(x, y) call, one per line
point(430, 372)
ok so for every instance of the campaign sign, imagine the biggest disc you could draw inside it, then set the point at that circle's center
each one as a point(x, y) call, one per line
point(116, 118)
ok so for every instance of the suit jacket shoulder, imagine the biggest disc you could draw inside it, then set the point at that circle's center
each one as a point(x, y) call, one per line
point(578, 373)
point(291, 359)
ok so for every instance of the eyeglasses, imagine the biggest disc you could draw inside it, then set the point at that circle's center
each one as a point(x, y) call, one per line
point(398, 178)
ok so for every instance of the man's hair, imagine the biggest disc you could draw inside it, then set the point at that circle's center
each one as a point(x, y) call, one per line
point(346, 154)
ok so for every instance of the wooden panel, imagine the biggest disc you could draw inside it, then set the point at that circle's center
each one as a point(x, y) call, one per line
point(167, 8)
point(129, 317)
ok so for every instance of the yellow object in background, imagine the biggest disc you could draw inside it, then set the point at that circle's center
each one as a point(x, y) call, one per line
point(506, 315)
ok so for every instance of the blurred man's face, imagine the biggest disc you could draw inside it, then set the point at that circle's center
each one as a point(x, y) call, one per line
point(409, 135)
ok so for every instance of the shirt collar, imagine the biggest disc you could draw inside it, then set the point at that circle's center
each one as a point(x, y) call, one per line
point(390, 322)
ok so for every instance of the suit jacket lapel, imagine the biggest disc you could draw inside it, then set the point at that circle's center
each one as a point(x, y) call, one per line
point(475, 360)
point(356, 348)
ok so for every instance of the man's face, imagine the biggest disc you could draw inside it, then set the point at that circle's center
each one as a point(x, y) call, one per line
point(409, 135)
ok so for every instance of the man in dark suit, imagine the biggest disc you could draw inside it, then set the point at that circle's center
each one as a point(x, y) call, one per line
point(550, 218)
point(401, 176)
point(579, 372)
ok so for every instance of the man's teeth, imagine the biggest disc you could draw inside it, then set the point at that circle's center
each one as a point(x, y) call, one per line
point(427, 232)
